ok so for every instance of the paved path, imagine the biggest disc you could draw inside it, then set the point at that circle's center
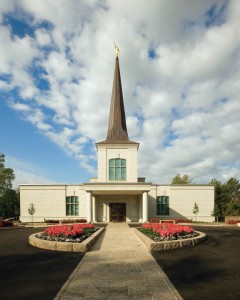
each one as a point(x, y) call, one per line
point(118, 267)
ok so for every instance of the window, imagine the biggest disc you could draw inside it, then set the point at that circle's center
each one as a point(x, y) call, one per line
point(72, 206)
point(163, 205)
point(117, 169)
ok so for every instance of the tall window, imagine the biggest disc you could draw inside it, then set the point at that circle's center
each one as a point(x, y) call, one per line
point(163, 205)
point(117, 169)
point(72, 206)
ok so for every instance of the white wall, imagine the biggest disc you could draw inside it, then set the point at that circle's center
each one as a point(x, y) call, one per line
point(124, 151)
point(49, 201)
point(182, 199)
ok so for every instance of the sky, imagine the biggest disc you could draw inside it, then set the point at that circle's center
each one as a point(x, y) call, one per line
point(180, 70)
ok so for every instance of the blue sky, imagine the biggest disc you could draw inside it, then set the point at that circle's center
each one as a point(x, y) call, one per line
point(180, 75)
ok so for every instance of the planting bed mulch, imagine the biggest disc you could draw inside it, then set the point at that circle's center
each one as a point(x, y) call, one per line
point(211, 270)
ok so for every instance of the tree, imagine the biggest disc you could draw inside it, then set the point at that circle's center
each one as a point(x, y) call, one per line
point(195, 209)
point(10, 204)
point(181, 179)
point(6, 176)
point(216, 212)
point(31, 210)
point(227, 197)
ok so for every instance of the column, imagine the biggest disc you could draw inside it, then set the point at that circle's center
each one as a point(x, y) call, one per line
point(145, 206)
point(94, 209)
point(89, 207)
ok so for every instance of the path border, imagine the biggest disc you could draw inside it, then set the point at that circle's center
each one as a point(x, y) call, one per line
point(168, 245)
point(65, 246)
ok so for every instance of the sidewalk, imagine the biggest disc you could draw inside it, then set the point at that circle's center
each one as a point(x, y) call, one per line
point(118, 267)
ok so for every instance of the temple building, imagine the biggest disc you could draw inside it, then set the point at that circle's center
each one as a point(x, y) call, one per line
point(117, 194)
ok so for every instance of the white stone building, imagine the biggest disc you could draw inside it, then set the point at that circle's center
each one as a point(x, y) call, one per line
point(117, 194)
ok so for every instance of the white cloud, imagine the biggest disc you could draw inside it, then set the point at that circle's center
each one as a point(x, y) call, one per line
point(26, 173)
point(182, 105)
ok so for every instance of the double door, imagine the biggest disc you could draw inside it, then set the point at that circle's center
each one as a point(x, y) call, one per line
point(117, 212)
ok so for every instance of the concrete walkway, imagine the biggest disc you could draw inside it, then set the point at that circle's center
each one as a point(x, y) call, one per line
point(118, 267)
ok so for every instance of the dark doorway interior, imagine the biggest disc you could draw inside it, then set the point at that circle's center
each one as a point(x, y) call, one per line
point(117, 212)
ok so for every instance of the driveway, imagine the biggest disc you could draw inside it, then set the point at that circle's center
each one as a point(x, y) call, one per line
point(27, 272)
point(210, 270)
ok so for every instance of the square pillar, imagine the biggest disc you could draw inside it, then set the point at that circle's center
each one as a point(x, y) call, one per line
point(145, 207)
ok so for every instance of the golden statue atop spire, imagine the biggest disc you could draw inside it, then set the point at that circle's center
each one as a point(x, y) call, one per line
point(117, 50)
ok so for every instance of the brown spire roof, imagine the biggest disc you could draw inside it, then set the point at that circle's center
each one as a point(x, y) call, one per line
point(117, 128)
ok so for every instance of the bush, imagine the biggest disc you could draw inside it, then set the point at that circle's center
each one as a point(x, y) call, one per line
point(183, 220)
point(51, 221)
point(154, 220)
point(177, 220)
point(74, 221)
point(5, 223)
point(232, 221)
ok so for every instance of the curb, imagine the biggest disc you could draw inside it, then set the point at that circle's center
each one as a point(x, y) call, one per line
point(168, 245)
point(65, 246)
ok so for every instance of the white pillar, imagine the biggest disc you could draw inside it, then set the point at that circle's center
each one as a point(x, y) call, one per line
point(94, 209)
point(145, 206)
point(89, 206)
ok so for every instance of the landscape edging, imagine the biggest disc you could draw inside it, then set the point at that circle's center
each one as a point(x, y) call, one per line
point(167, 245)
point(65, 246)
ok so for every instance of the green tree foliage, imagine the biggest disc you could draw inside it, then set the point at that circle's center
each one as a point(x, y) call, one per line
point(9, 204)
point(195, 209)
point(181, 179)
point(31, 210)
point(9, 199)
point(227, 197)
point(6, 176)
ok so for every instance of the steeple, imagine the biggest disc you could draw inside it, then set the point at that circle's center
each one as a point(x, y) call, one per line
point(117, 128)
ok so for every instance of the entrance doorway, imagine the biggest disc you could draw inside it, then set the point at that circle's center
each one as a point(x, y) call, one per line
point(117, 212)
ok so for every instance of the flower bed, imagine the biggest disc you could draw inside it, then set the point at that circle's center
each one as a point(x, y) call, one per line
point(5, 223)
point(233, 221)
point(74, 233)
point(167, 231)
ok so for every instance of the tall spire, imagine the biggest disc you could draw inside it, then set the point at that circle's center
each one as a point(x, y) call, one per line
point(117, 128)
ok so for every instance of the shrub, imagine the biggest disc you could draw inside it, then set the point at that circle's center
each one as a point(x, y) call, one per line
point(154, 220)
point(177, 220)
point(73, 221)
point(51, 221)
point(232, 221)
point(183, 220)
point(5, 223)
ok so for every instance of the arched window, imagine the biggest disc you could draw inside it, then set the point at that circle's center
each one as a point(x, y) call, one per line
point(117, 169)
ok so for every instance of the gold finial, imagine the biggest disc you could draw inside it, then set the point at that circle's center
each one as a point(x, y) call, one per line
point(117, 50)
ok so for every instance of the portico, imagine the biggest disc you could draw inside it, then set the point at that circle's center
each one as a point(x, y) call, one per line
point(102, 197)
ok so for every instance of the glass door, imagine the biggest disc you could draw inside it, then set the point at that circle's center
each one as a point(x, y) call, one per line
point(117, 212)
